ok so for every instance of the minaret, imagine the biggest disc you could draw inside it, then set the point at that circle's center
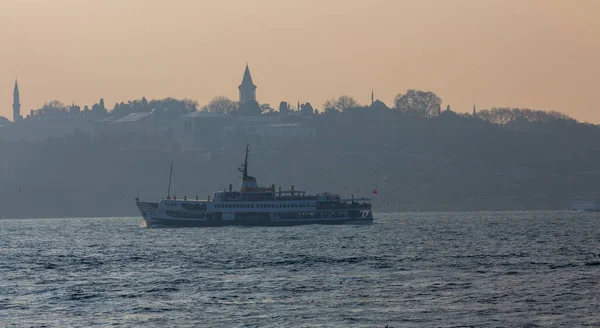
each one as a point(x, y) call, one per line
point(372, 97)
point(474, 111)
point(16, 103)
point(247, 88)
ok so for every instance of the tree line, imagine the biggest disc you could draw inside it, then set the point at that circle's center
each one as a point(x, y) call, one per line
point(412, 103)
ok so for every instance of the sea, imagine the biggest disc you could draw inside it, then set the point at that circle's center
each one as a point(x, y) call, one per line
point(480, 269)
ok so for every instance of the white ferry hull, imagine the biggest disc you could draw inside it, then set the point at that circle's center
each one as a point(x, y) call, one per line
point(154, 218)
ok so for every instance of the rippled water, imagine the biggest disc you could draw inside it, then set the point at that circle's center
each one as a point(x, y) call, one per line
point(532, 269)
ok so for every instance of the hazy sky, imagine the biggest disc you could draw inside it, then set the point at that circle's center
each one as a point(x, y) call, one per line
point(538, 54)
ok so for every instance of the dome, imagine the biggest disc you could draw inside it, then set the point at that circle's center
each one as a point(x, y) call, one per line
point(378, 104)
point(4, 120)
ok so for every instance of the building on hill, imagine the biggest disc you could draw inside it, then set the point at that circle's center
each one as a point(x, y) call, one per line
point(247, 88)
point(448, 114)
point(284, 108)
point(306, 109)
point(249, 124)
point(247, 103)
point(47, 127)
point(197, 131)
point(379, 105)
point(4, 121)
point(281, 135)
point(134, 123)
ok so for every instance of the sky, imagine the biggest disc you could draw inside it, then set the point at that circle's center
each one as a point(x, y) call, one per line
point(539, 54)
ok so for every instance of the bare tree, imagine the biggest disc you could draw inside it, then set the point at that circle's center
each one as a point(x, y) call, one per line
point(340, 104)
point(221, 104)
point(189, 105)
point(329, 106)
point(52, 108)
point(266, 108)
point(511, 116)
point(418, 103)
point(344, 102)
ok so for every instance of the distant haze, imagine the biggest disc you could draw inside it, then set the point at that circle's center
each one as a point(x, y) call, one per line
point(535, 54)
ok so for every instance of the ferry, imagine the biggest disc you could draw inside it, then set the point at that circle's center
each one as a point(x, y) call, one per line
point(585, 205)
point(254, 205)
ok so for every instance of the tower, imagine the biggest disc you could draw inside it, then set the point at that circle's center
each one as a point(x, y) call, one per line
point(474, 111)
point(247, 88)
point(16, 103)
point(372, 97)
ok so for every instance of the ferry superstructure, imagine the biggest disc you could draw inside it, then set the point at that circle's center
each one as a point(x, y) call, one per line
point(253, 205)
